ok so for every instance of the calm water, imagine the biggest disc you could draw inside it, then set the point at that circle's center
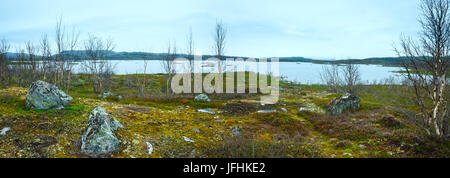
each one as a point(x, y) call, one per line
point(305, 73)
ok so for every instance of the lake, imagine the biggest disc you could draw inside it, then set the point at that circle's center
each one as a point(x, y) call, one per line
point(305, 73)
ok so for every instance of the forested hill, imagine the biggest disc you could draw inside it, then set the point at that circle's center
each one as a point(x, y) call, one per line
point(112, 55)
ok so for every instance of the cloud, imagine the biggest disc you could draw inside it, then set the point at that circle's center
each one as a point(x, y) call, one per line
point(257, 28)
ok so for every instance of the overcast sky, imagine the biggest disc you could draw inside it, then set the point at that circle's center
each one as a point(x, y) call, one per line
point(256, 28)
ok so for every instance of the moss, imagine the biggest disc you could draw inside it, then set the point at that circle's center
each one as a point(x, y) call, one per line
point(163, 120)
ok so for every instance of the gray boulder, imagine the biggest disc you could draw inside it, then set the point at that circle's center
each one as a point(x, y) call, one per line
point(202, 97)
point(99, 138)
point(43, 95)
point(345, 102)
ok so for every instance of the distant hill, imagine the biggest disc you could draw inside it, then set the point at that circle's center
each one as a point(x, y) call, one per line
point(79, 55)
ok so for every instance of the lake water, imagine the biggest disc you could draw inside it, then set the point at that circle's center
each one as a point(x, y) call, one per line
point(305, 73)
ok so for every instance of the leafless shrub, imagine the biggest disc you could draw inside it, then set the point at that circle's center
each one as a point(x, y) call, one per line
point(331, 77)
point(351, 77)
point(141, 84)
point(95, 62)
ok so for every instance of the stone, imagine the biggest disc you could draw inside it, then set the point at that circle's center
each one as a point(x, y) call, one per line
point(283, 110)
point(347, 154)
point(188, 139)
point(99, 139)
point(43, 95)
point(150, 148)
point(310, 107)
point(343, 103)
point(106, 94)
point(196, 130)
point(267, 111)
point(236, 131)
point(4, 130)
point(202, 97)
point(209, 111)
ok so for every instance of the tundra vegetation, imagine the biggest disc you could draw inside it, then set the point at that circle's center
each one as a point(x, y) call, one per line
point(387, 119)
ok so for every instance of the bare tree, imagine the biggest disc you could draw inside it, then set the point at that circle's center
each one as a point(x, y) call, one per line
point(190, 49)
point(66, 43)
point(60, 36)
point(142, 83)
point(427, 65)
point(21, 68)
point(4, 48)
point(95, 62)
point(32, 61)
point(351, 77)
point(167, 63)
point(331, 77)
point(220, 34)
point(46, 55)
point(72, 43)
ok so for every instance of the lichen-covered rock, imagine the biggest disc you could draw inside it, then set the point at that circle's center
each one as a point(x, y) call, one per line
point(345, 102)
point(106, 94)
point(109, 95)
point(202, 97)
point(43, 95)
point(99, 138)
point(310, 107)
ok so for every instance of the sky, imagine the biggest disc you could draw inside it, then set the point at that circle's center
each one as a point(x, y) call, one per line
point(329, 29)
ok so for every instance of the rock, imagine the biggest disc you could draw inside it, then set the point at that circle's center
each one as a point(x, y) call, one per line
point(120, 98)
point(216, 117)
point(345, 102)
point(99, 138)
point(43, 95)
point(150, 148)
point(310, 107)
point(202, 97)
point(284, 110)
point(106, 94)
point(236, 131)
point(196, 130)
point(209, 111)
point(188, 139)
point(267, 111)
point(347, 154)
point(4, 130)
point(362, 146)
